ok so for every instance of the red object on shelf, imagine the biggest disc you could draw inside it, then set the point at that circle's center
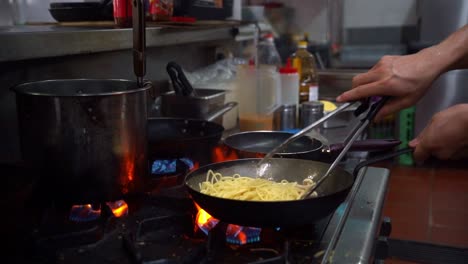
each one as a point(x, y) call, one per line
point(123, 13)
point(159, 10)
point(184, 19)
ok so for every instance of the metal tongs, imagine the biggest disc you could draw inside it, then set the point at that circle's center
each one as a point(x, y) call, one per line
point(350, 138)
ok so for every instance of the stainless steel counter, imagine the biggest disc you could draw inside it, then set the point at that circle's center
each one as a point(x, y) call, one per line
point(354, 228)
point(30, 42)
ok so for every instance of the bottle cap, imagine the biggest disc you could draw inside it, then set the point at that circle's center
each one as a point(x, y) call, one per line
point(288, 69)
point(269, 37)
point(302, 44)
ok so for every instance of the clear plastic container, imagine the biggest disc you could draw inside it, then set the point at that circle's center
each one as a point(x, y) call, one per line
point(289, 84)
point(258, 93)
point(260, 88)
point(267, 52)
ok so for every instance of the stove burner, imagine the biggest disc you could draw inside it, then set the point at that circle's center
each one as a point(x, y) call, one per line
point(205, 221)
point(242, 235)
point(85, 213)
point(92, 212)
point(170, 166)
point(119, 208)
point(235, 234)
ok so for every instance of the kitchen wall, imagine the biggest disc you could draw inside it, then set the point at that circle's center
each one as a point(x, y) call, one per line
point(6, 13)
point(309, 17)
point(312, 16)
point(379, 13)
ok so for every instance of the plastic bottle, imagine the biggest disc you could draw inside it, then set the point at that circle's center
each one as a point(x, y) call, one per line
point(289, 84)
point(260, 88)
point(267, 52)
point(304, 61)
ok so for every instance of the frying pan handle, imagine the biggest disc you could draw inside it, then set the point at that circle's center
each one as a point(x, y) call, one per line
point(226, 108)
point(381, 158)
point(366, 145)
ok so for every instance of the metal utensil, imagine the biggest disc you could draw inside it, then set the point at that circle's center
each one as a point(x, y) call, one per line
point(139, 41)
point(352, 136)
point(298, 135)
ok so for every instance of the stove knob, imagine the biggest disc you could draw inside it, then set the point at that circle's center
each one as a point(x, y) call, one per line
point(386, 227)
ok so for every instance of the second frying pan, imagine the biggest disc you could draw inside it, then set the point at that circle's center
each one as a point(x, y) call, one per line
point(256, 144)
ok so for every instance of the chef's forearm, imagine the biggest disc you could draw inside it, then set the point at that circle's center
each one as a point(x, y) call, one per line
point(451, 53)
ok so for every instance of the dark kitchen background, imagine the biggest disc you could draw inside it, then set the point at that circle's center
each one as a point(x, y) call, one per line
point(210, 39)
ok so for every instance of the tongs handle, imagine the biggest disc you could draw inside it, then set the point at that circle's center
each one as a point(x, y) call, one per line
point(352, 136)
point(375, 108)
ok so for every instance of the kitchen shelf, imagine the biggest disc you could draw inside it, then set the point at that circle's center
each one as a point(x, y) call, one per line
point(52, 40)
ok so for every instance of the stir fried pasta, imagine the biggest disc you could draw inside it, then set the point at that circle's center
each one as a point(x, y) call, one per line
point(252, 189)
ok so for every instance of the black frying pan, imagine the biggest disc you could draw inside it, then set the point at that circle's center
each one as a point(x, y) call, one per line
point(256, 144)
point(173, 137)
point(179, 137)
point(332, 192)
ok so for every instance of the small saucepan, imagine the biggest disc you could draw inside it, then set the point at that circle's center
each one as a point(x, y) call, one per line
point(256, 144)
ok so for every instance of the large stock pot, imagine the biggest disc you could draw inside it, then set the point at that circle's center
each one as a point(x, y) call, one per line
point(87, 138)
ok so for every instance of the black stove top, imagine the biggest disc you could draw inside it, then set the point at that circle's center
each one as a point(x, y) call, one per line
point(159, 228)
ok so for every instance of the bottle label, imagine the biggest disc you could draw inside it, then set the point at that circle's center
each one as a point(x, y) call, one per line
point(313, 93)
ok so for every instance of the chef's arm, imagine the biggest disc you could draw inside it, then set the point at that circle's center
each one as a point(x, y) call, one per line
point(452, 53)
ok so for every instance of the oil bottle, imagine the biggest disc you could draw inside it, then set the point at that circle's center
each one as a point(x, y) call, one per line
point(304, 62)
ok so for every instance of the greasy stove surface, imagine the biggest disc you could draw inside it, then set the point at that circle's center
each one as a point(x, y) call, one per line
point(161, 228)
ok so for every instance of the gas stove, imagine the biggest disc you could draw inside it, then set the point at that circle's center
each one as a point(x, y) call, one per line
point(165, 226)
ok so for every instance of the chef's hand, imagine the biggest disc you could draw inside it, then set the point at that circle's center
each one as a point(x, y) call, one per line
point(404, 78)
point(445, 137)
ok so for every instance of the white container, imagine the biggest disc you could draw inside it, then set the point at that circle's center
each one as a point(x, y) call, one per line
point(289, 85)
